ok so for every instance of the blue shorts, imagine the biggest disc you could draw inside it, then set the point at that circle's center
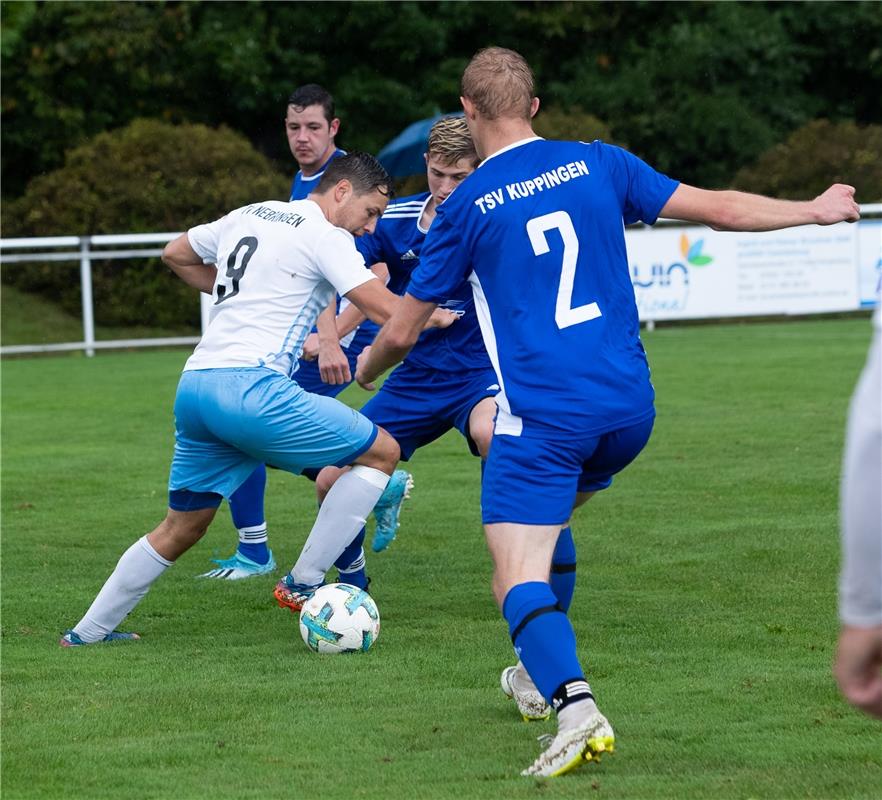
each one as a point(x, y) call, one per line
point(229, 421)
point(309, 377)
point(534, 481)
point(417, 405)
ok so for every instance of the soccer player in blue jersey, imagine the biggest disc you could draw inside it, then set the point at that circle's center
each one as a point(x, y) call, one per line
point(538, 230)
point(447, 380)
point(327, 366)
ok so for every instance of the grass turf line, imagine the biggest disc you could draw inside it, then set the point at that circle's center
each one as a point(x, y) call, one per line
point(705, 604)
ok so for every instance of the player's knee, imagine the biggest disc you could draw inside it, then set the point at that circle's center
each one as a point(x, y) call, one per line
point(481, 427)
point(383, 454)
point(325, 480)
point(482, 435)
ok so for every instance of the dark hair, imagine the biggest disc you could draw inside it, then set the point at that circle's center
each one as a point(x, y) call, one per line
point(362, 170)
point(311, 94)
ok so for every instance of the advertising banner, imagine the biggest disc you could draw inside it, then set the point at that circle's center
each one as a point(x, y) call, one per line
point(693, 272)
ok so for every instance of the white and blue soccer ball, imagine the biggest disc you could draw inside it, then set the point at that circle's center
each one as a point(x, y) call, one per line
point(339, 618)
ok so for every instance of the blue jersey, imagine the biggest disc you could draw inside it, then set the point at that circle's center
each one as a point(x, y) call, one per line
point(538, 229)
point(303, 186)
point(398, 241)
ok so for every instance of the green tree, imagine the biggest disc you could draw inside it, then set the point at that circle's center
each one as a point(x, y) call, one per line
point(149, 176)
point(570, 124)
point(816, 155)
point(698, 89)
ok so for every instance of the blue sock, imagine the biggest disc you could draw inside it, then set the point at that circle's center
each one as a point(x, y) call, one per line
point(563, 569)
point(246, 508)
point(544, 641)
point(351, 563)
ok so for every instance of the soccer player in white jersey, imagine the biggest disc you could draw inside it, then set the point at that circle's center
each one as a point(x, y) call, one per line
point(538, 229)
point(858, 665)
point(278, 265)
point(326, 367)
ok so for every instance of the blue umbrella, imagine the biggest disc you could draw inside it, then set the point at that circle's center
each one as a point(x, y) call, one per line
point(403, 156)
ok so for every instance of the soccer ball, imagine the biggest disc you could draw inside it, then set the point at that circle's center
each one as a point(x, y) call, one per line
point(339, 618)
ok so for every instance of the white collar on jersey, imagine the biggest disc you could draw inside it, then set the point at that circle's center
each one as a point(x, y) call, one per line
point(511, 146)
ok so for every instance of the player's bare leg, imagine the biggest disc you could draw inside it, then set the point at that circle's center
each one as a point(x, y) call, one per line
point(543, 638)
point(135, 572)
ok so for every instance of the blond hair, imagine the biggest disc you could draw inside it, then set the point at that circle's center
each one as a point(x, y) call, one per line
point(500, 83)
point(450, 140)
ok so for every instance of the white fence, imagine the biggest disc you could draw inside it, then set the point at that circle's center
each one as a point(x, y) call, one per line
point(679, 272)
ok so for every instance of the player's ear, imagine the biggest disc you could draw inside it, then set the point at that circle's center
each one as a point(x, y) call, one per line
point(468, 107)
point(534, 107)
point(334, 127)
point(342, 191)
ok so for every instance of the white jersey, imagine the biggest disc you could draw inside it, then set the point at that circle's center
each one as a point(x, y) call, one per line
point(278, 266)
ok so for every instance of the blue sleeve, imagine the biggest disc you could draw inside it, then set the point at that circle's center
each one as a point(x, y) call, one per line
point(642, 191)
point(444, 260)
point(371, 246)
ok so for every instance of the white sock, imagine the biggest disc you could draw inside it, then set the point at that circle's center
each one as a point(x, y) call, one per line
point(256, 534)
point(341, 516)
point(573, 715)
point(521, 679)
point(139, 566)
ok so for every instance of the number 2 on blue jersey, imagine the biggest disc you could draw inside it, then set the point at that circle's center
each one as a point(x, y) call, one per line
point(564, 313)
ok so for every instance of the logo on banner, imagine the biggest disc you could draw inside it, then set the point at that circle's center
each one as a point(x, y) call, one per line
point(662, 289)
point(692, 252)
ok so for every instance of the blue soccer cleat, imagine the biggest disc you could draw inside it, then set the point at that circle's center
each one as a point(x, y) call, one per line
point(388, 509)
point(71, 639)
point(238, 567)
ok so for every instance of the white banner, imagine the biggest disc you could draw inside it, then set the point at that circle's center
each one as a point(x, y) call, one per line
point(690, 272)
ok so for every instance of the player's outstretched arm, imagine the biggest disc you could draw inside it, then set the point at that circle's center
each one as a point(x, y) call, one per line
point(182, 259)
point(739, 211)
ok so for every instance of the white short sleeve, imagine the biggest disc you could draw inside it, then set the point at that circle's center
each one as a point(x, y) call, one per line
point(204, 240)
point(340, 262)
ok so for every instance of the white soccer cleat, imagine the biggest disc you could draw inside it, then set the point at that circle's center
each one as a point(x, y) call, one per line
point(517, 685)
point(570, 749)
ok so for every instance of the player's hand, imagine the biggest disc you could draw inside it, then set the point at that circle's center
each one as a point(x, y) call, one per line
point(310, 348)
point(333, 364)
point(858, 667)
point(360, 375)
point(837, 205)
point(442, 318)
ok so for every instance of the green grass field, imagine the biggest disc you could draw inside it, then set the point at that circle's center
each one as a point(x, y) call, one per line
point(705, 605)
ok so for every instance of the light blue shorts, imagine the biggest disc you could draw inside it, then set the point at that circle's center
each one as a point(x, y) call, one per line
point(229, 421)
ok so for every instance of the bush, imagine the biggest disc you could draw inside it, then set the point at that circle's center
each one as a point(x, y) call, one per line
point(571, 124)
point(815, 156)
point(147, 177)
